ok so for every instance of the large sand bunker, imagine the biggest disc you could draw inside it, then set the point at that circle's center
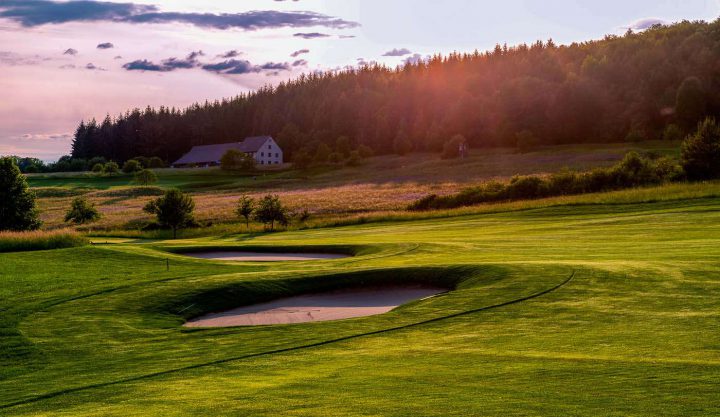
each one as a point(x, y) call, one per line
point(263, 256)
point(334, 305)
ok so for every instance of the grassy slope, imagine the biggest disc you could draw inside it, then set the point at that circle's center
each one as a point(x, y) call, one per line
point(633, 333)
point(380, 184)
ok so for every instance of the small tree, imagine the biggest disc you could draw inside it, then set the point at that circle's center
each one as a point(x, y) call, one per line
point(98, 168)
point(701, 151)
point(82, 211)
point(131, 165)
point(173, 210)
point(342, 146)
point(245, 208)
point(17, 203)
point(271, 210)
point(145, 177)
point(365, 151)
point(322, 154)
point(111, 168)
point(354, 159)
point(451, 148)
point(236, 160)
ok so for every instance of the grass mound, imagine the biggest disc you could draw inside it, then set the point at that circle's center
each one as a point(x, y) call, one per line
point(40, 240)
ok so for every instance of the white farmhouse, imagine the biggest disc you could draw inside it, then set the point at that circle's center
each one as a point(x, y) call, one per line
point(263, 149)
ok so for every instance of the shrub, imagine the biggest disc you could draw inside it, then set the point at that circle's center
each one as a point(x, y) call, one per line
point(451, 148)
point(18, 210)
point(173, 210)
point(700, 153)
point(145, 177)
point(525, 187)
point(365, 151)
point(672, 132)
point(322, 153)
point(270, 210)
point(155, 162)
point(131, 165)
point(236, 160)
point(143, 160)
point(335, 158)
point(40, 240)
point(96, 160)
point(82, 211)
point(111, 168)
point(353, 159)
point(98, 168)
point(342, 146)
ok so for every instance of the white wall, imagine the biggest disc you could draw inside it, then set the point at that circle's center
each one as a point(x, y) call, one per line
point(269, 154)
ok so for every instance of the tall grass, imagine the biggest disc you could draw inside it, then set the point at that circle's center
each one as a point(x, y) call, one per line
point(40, 240)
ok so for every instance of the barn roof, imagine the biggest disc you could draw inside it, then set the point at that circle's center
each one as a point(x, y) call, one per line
point(212, 153)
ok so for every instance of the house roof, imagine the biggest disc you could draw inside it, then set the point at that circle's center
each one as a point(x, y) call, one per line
point(212, 153)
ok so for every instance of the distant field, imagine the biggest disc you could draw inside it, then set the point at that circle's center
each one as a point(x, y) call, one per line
point(593, 305)
point(385, 183)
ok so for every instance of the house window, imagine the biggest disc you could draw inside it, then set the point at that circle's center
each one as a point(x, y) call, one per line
point(277, 155)
point(269, 146)
point(262, 153)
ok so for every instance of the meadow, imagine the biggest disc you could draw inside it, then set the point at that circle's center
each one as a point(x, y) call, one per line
point(380, 185)
point(605, 304)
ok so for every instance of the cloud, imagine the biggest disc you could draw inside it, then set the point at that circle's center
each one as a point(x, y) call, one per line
point(300, 52)
point(312, 35)
point(169, 64)
point(105, 45)
point(143, 65)
point(118, 57)
point(30, 13)
point(230, 54)
point(646, 23)
point(47, 136)
point(300, 63)
point(277, 66)
point(232, 66)
point(13, 58)
point(398, 52)
point(70, 51)
point(414, 59)
point(346, 36)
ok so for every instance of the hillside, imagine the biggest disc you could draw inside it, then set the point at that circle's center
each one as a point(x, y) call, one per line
point(383, 183)
point(649, 85)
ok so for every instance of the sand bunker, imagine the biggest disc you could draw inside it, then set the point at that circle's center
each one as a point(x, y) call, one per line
point(263, 256)
point(318, 307)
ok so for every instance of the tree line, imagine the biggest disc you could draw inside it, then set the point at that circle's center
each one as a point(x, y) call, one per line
point(650, 85)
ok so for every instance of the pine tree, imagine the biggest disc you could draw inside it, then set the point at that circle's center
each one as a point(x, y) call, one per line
point(18, 211)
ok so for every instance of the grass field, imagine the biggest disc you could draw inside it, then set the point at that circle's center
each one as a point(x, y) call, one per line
point(380, 184)
point(593, 305)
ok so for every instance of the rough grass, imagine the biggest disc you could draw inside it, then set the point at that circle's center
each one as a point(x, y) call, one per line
point(40, 240)
point(381, 184)
point(97, 330)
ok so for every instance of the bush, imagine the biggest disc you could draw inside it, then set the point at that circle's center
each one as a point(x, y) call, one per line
point(633, 170)
point(365, 151)
point(131, 165)
point(270, 210)
point(82, 211)
point(672, 132)
point(143, 160)
point(145, 177)
point(234, 160)
point(111, 168)
point(173, 210)
point(322, 153)
point(700, 153)
point(37, 240)
point(335, 158)
point(18, 210)
point(98, 168)
point(353, 159)
point(155, 162)
point(452, 148)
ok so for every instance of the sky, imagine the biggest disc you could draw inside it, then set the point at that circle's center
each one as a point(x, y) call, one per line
point(66, 61)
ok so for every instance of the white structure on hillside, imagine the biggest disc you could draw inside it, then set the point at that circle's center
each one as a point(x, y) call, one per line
point(263, 149)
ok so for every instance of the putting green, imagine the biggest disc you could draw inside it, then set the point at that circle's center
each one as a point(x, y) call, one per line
point(570, 310)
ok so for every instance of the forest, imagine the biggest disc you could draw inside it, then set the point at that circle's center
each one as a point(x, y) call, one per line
point(655, 84)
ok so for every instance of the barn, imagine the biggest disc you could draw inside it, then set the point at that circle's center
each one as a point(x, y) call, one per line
point(263, 149)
